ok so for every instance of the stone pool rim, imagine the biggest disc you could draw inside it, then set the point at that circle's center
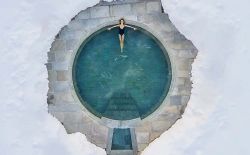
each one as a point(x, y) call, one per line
point(155, 104)
point(133, 122)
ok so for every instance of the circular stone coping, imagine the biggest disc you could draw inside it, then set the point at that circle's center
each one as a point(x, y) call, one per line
point(133, 122)
point(156, 104)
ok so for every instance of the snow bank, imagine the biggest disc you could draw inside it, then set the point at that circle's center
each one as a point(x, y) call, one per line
point(216, 120)
point(27, 30)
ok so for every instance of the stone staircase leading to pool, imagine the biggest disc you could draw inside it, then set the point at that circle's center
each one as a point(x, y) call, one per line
point(120, 106)
point(63, 102)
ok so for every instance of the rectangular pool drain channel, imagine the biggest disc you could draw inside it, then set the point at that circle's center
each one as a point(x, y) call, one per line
point(122, 142)
point(121, 139)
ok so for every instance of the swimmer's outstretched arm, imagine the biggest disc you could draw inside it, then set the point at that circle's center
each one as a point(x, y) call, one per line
point(113, 27)
point(130, 27)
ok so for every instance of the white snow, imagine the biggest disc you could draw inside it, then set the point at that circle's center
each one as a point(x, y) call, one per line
point(216, 121)
point(27, 30)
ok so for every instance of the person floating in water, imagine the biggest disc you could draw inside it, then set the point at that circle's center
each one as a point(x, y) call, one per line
point(122, 26)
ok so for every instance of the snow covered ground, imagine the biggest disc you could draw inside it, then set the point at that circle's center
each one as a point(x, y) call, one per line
point(27, 30)
point(215, 122)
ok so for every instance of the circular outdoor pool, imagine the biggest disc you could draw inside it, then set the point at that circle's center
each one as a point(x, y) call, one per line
point(121, 86)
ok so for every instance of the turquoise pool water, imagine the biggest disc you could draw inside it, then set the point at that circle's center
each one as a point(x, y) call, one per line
point(117, 85)
point(121, 139)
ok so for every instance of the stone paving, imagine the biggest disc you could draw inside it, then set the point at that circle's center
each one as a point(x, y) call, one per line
point(62, 99)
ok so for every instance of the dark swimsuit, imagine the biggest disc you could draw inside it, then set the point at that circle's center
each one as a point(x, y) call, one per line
point(121, 31)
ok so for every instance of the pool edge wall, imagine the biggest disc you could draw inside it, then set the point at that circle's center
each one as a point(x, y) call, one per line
point(161, 98)
point(119, 123)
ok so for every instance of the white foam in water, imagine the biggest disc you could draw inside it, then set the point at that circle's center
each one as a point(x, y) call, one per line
point(121, 57)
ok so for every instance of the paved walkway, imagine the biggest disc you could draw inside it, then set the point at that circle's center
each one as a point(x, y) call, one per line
point(63, 101)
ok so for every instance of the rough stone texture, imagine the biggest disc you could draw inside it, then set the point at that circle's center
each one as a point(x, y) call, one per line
point(58, 45)
point(142, 137)
point(62, 75)
point(52, 75)
point(51, 56)
point(67, 33)
point(60, 65)
point(99, 11)
point(139, 8)
point(49, 67)
point(121, 10)
point(142, 146)
point(64, 97)
point(62, 100)
point(84, 14)
point(153, 7)
point(62, 57)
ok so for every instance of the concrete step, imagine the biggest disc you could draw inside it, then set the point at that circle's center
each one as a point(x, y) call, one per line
point(122, 152)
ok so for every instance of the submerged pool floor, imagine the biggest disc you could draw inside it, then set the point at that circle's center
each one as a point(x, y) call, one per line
point(125, 85)
point(121, 139)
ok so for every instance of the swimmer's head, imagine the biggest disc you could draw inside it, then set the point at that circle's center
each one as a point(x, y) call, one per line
point(121, 21)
